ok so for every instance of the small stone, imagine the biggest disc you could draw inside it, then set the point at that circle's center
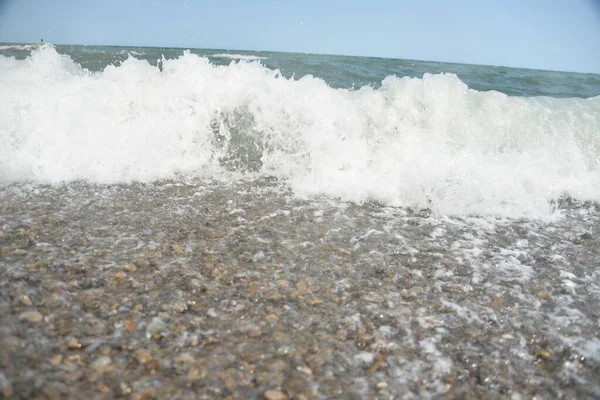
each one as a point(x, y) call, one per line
point(179, 306)
point(130, 267)
point(73, 344)
point(254, 333)
point(282, 283)
point(295, 294)
point(271, 317)
point(304, 370)
point(274, 395)
point(542, 294)
point(143, 356)
point(120, 275)
point(124, 389)
point(177, 249)
point(56, 360)
point(26, 301)
point(496, 303)
point(184, 358)
point(157, 326)
point(101, 363)
point(350, 224)
point(212, 313)
point(278, 366)
point(102, 388)
point(302, 286)
point(193, 374)
point(32, 317)
point(542, 354)
point(343, 250)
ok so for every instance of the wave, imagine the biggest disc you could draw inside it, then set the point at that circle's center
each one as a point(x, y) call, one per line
point(238, 57)
point(429, 142)
point(132, 52)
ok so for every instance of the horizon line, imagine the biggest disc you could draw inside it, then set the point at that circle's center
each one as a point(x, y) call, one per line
point(307, 53)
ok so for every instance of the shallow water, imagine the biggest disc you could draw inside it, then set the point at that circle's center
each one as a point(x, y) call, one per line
point(391, 301)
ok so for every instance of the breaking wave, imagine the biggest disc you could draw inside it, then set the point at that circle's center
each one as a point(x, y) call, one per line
point(429, 142)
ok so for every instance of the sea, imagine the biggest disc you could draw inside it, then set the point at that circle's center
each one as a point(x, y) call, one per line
point(447, 174)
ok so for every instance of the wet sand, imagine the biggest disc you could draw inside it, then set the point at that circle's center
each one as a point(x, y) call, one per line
point(205, 290)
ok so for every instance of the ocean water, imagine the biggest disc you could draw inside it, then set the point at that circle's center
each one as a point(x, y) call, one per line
point(482, 179)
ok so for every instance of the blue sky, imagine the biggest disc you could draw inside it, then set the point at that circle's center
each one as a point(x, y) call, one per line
point(545, 34)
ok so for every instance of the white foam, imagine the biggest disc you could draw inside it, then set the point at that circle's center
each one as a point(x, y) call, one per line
point(132, 52)
point(429, 142)
point(19, 46)
point(245, 57)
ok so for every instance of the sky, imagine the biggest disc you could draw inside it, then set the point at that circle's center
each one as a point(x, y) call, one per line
point(561, 35)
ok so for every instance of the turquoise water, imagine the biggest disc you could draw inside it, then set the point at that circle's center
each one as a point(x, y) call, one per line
point(347, 71)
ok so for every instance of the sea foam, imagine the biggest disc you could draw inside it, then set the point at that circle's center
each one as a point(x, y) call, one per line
point(429, 142)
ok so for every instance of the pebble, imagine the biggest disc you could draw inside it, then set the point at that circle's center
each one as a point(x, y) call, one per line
point(274, 395)
point(177, 249)
point(56, 359)
point(179, 306)
point(278, 366)
point(155, 327)
point(143, 356)
point(302, 286)
point(304, 370)
point(26, 301)
point(102, 388)
point(184, 358)
point(271, 317)
point(193, 374)
point(212, 313)
point(101, 363)
point(73, 344)
point(120, 275)
point(32, 317)
point(130, 267)
point(542, 294)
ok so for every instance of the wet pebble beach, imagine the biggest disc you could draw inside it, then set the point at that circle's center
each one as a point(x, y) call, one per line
point(209, 290)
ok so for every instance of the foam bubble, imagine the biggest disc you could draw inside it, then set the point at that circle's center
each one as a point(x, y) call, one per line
point(429, 142)
point(245, 57)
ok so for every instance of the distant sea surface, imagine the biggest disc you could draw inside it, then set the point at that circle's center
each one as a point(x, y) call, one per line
point(346, 71)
